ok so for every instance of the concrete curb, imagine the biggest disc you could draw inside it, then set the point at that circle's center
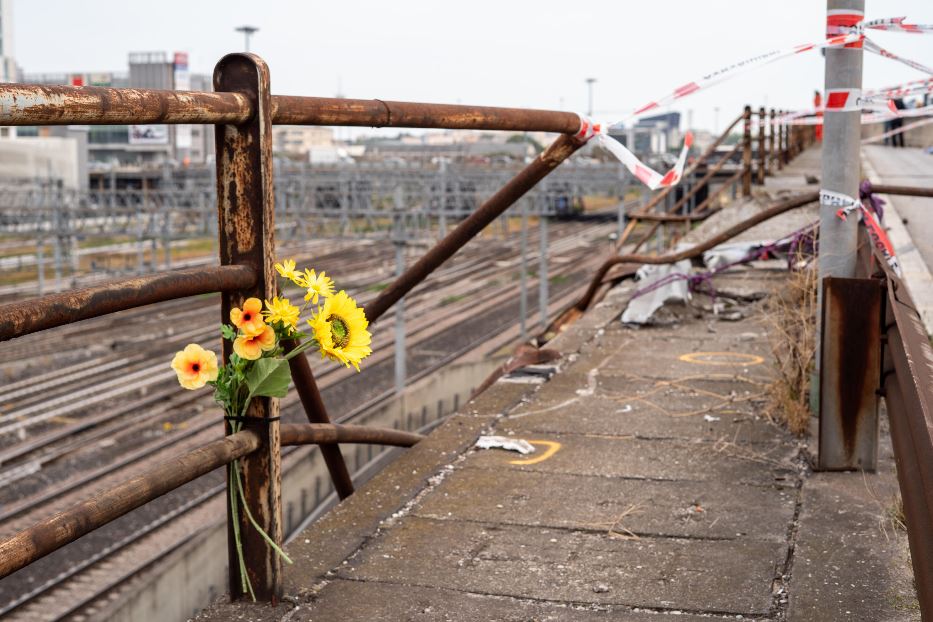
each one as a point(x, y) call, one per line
point(915, 271)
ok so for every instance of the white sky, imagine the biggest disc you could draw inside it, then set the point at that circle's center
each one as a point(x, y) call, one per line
point(530, 53)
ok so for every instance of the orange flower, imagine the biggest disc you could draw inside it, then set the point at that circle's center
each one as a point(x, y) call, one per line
point(195, 366)
point(251, 347)
point(249, 318)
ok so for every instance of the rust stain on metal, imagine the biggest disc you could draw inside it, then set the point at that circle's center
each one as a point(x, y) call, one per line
point(327, 434)
point(849, 373)
point(65, 527)
point(21, 318)
point(26, 104)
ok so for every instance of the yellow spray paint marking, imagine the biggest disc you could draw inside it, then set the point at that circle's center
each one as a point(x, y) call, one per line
point(721, 358)
point(552, 447)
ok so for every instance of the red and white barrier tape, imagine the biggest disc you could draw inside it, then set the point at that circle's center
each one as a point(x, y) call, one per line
point(735, 69)
point(845, 205)
point(644, 173)
point(873, 47)
point(898, 130)
point(924, 85)
point(896, 24)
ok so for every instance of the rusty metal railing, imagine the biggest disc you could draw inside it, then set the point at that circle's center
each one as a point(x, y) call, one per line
point(885, 335)
point(243, 110)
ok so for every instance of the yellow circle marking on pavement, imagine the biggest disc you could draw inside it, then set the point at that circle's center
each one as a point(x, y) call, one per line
point(721, 358)
point(552, 448)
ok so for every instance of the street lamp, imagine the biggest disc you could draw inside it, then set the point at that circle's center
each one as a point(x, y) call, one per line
point(247, 33)
point(589, 87)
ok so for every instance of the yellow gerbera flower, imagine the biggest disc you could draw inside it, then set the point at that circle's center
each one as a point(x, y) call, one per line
point(317, 285)
point(195, 366)
point(281, 310)
point(288, 271)
point(340, 330)
point(251, 347)
point(249, 318)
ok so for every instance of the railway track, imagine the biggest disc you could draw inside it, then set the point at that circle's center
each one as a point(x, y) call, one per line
point(63, 459)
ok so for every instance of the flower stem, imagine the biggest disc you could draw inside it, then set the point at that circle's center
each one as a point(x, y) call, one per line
point(245, 584)
point(249, 515)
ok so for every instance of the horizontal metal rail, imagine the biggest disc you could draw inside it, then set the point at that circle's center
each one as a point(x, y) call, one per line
point(291, 110)
point(914, 191)
point(333, 433)
point(694, 251)
point(108, 505)
point(908, 394)
point(27, 104)
point(67, 526)
point(30, 316)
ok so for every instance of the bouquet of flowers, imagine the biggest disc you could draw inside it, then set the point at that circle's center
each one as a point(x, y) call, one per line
point(259, 364)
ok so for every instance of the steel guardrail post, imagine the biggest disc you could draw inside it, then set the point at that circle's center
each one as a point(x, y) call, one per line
point(245, 204)
point(762, 121)
point(747, 152)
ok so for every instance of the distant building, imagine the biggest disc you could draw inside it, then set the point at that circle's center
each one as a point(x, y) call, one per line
point(300, 141)
point(152, 145)
point(651, 135)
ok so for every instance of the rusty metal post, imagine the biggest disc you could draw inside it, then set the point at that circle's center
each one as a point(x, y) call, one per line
point(747, 152)
point(245, 204)
point(850, 370)
point(782, 143)
point(762, 121)
point(771, 127)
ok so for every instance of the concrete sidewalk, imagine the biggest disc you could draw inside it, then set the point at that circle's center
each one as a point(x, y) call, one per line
point(657, 488)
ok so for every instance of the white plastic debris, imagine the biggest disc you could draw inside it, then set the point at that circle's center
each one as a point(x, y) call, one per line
point(710, 418)
point(509, 444)
point(727, 253)
point(642, 307)
point(625, 409)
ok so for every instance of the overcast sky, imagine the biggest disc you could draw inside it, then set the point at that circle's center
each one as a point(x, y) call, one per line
point(534, 53)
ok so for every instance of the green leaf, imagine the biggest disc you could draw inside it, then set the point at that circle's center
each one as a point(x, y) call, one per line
point(268, 377)
point(227, 332)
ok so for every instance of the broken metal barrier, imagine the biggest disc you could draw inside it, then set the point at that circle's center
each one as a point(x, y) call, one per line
point(876, 346)
point(243, 110)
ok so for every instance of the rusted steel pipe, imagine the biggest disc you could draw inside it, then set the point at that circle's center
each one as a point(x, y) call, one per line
point(328, 435)
point(293, 110)
point(908, 394)
point(65, 527)
point(912, 191)
point(546, 162)
point(29, 316)
point(316, 411)
point(30, 104)
point(694, 251)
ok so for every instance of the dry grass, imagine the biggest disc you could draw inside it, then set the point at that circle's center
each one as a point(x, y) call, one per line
point(792, 326)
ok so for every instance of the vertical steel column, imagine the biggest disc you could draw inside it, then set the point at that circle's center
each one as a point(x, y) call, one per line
point(246, 235)
point(399, 240)
point(40, 265)
point(747, 152)
point(523, 275)
point(771, 128)
point(762, 115)
point(542, 263)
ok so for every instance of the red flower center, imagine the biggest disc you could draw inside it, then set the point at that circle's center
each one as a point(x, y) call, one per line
point(247, 316)
point(196, 367)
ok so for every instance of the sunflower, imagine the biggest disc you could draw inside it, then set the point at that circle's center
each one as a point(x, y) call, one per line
point(317, 285)
point(249, 318)
point(195, 366)
point(281, 310)
point(340, 330)
point(288, 271)
point(251, 347)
